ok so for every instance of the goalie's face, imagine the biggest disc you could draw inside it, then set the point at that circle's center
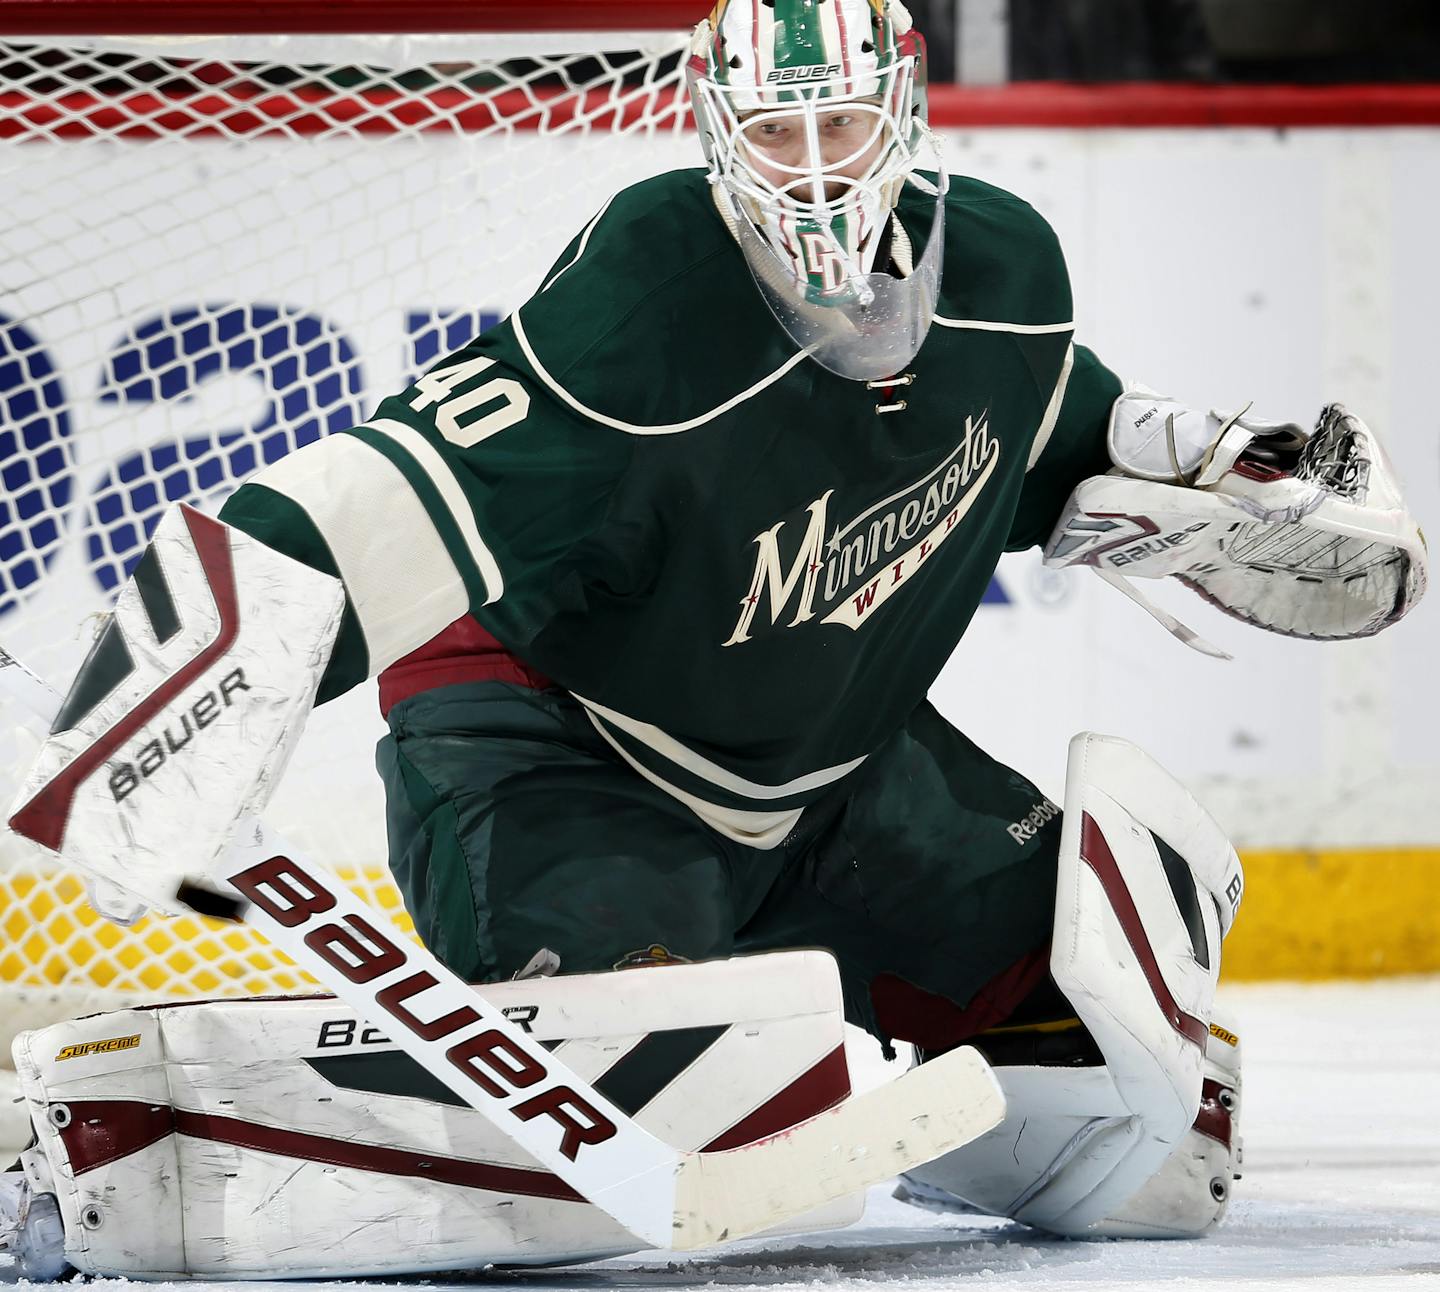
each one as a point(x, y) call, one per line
point(815, 169)
point(818, 159)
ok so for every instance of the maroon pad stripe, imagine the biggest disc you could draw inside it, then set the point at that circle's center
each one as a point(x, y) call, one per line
point(1214, 1118)
point(822, 1087)
point(101, 1131)
point(371, 1157)
point(46, 816)
point(1147, 529)
point(1096, 854)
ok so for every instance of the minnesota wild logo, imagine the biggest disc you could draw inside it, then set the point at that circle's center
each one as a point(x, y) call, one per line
point(844, 573)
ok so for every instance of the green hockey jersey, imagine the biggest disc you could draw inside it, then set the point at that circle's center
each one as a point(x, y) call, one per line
point(748, 569)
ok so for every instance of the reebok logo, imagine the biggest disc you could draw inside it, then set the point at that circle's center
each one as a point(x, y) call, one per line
point(1029, 825)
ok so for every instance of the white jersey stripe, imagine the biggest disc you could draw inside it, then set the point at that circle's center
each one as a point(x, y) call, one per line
point(630, 428)
point(1052, 411)
point(584, 242)
point(763, 830)
point(1022, 329)
point(672, 750)
point(400, 580)
point(429, 460)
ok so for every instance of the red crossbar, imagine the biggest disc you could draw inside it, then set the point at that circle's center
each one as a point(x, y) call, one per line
point(329, 17)
point(237, 109)
point(1156, 104)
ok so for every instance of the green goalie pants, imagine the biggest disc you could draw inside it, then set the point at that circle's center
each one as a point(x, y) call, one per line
point(929, 871)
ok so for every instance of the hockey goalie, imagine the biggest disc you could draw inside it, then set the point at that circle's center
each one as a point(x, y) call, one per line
point(655, 576)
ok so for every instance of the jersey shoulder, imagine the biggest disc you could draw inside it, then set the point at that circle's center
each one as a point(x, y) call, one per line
point(1003, 262)
point(646, 235)
point(630, 320)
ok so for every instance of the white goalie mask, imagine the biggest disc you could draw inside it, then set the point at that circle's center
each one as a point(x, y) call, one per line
point(812, 117)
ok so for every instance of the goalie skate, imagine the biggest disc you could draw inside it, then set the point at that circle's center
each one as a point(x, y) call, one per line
point(32, 1235)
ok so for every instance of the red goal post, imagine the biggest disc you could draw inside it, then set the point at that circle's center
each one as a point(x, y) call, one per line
point(221, 246)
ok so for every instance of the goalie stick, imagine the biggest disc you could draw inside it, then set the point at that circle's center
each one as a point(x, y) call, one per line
point(665, 1197)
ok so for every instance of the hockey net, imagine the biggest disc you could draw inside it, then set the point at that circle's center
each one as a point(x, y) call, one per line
point(220, 248)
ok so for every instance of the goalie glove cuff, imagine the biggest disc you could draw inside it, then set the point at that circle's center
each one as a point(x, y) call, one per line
point(1154, 437)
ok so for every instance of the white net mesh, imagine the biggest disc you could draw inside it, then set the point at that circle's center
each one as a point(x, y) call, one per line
point(215, 251)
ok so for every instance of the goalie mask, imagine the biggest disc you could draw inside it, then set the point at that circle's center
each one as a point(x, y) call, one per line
point(812, 116)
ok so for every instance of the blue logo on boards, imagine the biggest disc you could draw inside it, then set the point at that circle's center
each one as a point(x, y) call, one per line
point(313, 384)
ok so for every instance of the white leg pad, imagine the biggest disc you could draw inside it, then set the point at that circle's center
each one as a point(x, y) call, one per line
point(1059, 1115)
point(285, 1138)
point(1148, 884)
point(1189, 1195)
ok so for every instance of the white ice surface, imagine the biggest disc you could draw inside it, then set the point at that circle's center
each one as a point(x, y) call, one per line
point(1341, 1186)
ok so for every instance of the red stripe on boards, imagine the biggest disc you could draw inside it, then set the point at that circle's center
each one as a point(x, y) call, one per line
point(236, 110)
point(242, 110)
point(1148, 105)
point(1096, 854)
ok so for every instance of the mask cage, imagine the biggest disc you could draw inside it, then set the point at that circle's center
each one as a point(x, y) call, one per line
point(827, 238)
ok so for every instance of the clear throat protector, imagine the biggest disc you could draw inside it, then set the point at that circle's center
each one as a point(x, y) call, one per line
point(863, 326)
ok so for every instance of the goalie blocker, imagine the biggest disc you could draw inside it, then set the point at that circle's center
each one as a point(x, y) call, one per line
point(198, 686)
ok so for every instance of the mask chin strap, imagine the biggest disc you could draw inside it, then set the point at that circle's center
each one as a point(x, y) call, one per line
point(722, 201)
point(902, 252)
